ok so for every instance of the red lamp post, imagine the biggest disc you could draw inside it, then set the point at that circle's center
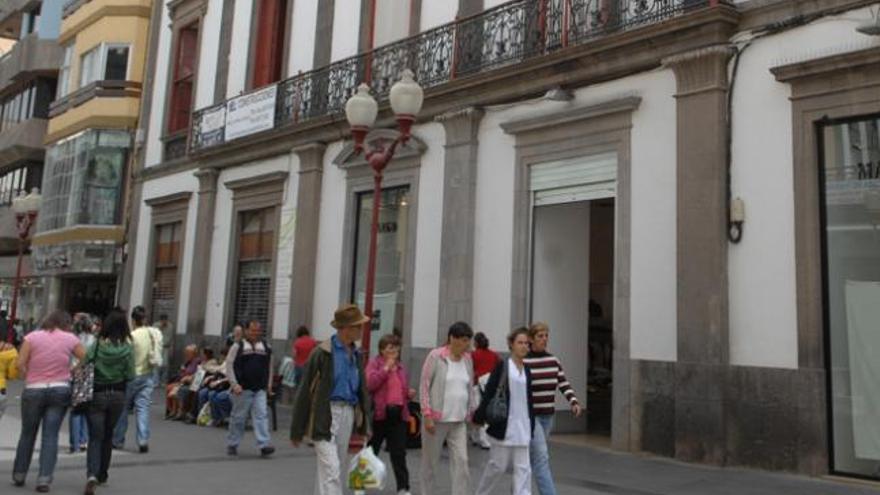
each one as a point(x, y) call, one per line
point(360, 110)
point(26, 209)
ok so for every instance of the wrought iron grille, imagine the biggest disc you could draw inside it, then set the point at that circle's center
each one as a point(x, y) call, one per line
point(507, 34)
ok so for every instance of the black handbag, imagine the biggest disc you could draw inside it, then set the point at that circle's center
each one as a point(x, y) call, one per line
point(497, 408)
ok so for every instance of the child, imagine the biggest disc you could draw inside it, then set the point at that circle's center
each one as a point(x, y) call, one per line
point(8, 370)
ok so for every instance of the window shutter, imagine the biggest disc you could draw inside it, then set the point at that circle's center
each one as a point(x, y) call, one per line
point(574, 179)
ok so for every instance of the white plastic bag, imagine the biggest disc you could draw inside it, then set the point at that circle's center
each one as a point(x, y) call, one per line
point(366, 471)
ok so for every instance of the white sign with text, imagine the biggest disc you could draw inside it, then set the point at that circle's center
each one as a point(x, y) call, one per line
point(251, 113)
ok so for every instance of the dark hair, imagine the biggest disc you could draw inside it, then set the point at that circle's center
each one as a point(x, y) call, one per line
point(139, 315)
point(302, 331)
point(115, 327)
point(516, 332)
point(460, 329)
point(481, 341)
point(388, 339)
point(208, 352)
point(59, 319)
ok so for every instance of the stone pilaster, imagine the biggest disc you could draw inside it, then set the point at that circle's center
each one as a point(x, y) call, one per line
point(201, 260)
point(459, 209)
point(305, 241)
point(703, 347)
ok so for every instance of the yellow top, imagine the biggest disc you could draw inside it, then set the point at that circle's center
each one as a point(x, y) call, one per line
point(142, 341)
point(8, 366)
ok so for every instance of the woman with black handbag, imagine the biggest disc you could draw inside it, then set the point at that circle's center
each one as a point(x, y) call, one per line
point(113, 358)
point(507, 409)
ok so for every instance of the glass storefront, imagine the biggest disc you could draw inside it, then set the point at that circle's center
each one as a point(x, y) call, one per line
point(851, 171)
point(391, 256)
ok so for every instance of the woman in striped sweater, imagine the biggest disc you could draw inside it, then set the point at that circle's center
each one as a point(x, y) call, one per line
point(547, 377)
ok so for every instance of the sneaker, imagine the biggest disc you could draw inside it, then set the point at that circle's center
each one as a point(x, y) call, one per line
point(143, 449)
point(231, 450)
point(91, 484)
point(43, 488)
point(267, 451)
point(403, 492)
point(18, 479)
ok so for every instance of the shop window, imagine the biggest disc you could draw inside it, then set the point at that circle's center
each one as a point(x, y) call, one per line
point(184, 78)
point(271, 36)
point(166, 263)
point(256, 245)
point(391, 257)
point(107, 62)
point(851, 180)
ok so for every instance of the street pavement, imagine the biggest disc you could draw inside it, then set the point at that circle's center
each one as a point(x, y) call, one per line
point(191, 460)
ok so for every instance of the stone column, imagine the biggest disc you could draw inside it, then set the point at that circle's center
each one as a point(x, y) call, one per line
point(305, 240)
point(703, 347)
point(134, 216)
point(459, 209)
point(201, 260)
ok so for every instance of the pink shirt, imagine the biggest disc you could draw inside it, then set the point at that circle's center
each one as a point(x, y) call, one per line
point(50, 356)
point(394, 390)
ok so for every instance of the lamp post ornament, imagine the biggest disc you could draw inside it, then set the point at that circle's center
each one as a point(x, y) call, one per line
point(360, 110)
point(26, 209)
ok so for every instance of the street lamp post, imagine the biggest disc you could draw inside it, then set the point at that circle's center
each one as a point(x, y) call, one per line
point(360, 110)
point(26, 209)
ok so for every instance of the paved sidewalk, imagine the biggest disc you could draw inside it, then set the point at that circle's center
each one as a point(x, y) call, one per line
point(190, 460)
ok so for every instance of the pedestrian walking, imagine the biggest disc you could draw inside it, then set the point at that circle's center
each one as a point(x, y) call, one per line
point(249, 369)
point(113, 357)
point(447, 400)
point(485, 360)
point(547, 377)
point(302, 348)
point(511, 425)
point(8, 370)
point(78, 421)
point(389, 391)
point(334, 400)
point(146, 342)
point(45, 364)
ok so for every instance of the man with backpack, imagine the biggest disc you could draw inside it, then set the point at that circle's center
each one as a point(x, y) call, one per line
point(249, 370)
point(147, 349)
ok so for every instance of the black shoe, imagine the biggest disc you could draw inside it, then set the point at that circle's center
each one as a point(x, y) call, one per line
point(230, 450)
point(267, 451)
point(18, 483)
point(143, 449)
point(43, 488)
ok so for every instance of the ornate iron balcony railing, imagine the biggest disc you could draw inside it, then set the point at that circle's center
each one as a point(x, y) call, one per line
point(507, 34)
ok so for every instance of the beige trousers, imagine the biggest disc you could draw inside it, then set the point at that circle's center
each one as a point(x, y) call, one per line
point(333, 455)
point(455, 435)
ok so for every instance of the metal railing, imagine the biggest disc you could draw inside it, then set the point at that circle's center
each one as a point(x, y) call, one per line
point(507, 34)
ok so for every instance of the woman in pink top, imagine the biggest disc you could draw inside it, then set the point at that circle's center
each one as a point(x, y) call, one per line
point(45, 365)
point(387, 383)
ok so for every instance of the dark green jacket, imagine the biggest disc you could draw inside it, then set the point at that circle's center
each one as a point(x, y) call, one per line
point(311, 407)
point(114, 363)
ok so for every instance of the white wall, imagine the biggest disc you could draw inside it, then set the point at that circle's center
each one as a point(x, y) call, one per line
point(346, 28)
point(154, 128)
point(172, 184)
point(210, 47)
point(653, 316)
point(221, 240)
point(239, 50)
point(302, 36)
point(437, 13)
point(763, 313)
point(392, 21)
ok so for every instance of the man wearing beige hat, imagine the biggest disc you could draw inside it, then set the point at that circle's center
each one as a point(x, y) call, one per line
point(334, 400)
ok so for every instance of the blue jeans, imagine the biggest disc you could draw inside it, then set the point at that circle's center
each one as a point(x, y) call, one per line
point(79, 429)
point(46, 406)
point(138, 396)
point(253, 402)
point(540, 455)
point(221, 405)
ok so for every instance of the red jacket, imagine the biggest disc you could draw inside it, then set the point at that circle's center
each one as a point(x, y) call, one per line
point(485, 361)
point(377, 384)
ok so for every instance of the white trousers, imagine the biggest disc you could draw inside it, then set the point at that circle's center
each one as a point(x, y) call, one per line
point(332, 456)
point(500, 456)
point(455, 435)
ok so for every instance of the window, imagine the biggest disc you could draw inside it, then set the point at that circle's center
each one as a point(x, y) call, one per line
point(64, 71)
point(84, 179)
point(270, 40)
point(256, 245)
point(184, 77)
point(29, 102)
point(851, 171)
point(107, 62)
point(167, 259)
point(391, 253)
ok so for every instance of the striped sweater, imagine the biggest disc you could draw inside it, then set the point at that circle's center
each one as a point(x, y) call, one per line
point(547, 376)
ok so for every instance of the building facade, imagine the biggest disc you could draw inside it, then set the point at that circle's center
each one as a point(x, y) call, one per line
point(575, 162)
point(90, 140)
point(28, 78)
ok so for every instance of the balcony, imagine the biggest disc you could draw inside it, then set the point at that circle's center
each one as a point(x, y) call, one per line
point(23, 142)
point(503, 36)
point(10, 18)
point(29, 57)
point(71, 6)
